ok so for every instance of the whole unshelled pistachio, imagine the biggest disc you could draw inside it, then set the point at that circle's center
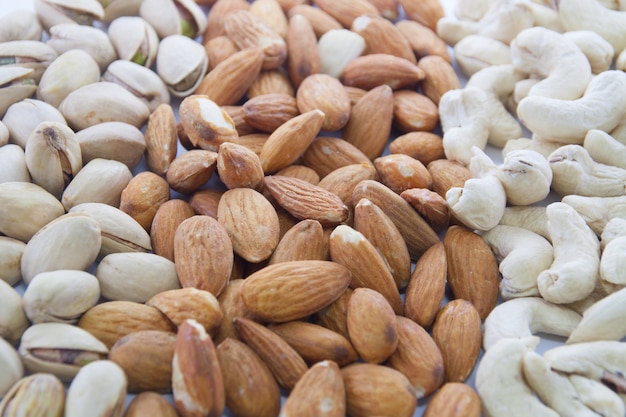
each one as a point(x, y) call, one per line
point(11, 365)
point(28, 54)
point(139, 80)
point(16, 83)
point(98, 390)
point(174, 17)
point(134, 40)
point(24, 116)
point(53, 12)
point(181, 63)
point(10, 254)
point(40, 395)
point(117, 141)
point(13, 322)
point(20, 25)
point(117, 8)
point(13, 161)
point(92, 40)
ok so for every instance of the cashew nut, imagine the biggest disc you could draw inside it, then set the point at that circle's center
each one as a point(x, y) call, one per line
point(613, 262)
point(502, 389)
point(619, 133)
point(560, 64)
point(536, 144)
point(603, 106)
point(575, 270)
point(521, 255)
point(472, 9)
point(615, 228)
point(475, 52)
point(613, 4)
point(575, 172)
point(533, 218)
point(522, 317)
point(597, 211)
point(526, 177)
point(604, 320)
point(545, 15)
point(598, 396)
point(598, 50)
point(605, 149)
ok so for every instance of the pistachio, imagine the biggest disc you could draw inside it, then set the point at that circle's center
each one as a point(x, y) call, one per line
point(71, 241)
point(98, 390)
point(117, 8)
point(70, 71)
point(118, 141)
point(25, 209)
point(20, 25)
point(120, 232)
point(59, 348)
point(11, 365)
point(10, 255)
point(13, 163)
point(60, 296)
point(53, 12)
point(53, 156)
point(24, 116)
point(35, 55)
point(139, 80)
point(4, 134)
point(181, 63)
point(134, 39)
point(16, 83)
point(100, 181)
point(103, 102)
point(90, 39)
point(13, 321)
point(41, 394)
point(174, 17)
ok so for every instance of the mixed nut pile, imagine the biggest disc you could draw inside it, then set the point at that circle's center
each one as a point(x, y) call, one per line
point(286, 251)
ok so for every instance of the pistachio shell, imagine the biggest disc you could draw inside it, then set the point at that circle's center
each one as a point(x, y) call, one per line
point(98, 390)
point(20, 25)
point(139, 80)
point(10, 255)
point(71, 241)
point(117, 8)
point(118, 141)
point(13, 163)
point(41, 395)
point(11, 365)
point(24, 116)
point(170, 17)
point(16, 83)
point(25, 209)
point(134, 40)
point(70, 71)
point(181, 63)
point(59, 348)
point(54, 12)
point(13, 321)
point(92, 40)
point(35, 55)
point(60, 296)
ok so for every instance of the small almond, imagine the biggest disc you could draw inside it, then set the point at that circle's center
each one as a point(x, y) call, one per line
point(382, 37)
point(345, 11)
point(191, 171)
point(303, 56)
point(400, 172)
point(423, 146)
point(161, 139)
point(166, 220)
point(369, 71)
point(206, 124)
point(239, 167)
point(430, 205)
point(143, 196)
point(325, 93)
point(423, 40)
point(303, 241)
point(414, 111)
point(232, 305)
point(320, 21)
point(326, 153)
point(267, 112)
point(440, 77)
point(454, 399)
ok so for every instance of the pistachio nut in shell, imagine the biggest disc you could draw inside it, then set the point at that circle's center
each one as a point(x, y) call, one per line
point(92, 40)
point(11, 365)
point(53, 156)
point(53, 12)
point(98, 389)
point(13, 321)
point(60, 296)
point(16, 83)
point(139, 80)
point(181, 63)
point(117, 8)
point(59, 348)
point(174, 17)
point(23, 117)
point(40, 394)
point(25, 209)
point(13, 160)
point(134, 39)
point(20, 24)
point(103, 102)
point(71, 241)
point(118, 141)
point(35, 55)
point(10, 256)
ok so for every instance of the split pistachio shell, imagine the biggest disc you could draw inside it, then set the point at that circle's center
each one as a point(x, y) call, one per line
point(53, 156)
point(118, 141)
point(60, 296)
point(117, 8)
point(10, 255)
point(59, 348)
point(35, 55)
point(181, 63)
point(16, 83)
point(13, 321)
point(103, 102)
point(135, 276)
point(24, 116)
point(140, 81)
point(71, 241)
point(54, 12)
point(120, 232)
point(174, 17)
point(25, 209)
point(134, 40)
point(100, 181)
point(11, 365)
point(90, 39)
point(20, 25)
point(98, 390)
point(40, 394)
point(70, 71)
point(13, 163)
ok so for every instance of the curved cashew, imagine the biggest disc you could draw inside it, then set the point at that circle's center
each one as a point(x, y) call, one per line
point(598, 396)
point(574, 273)
point(521, 255)
point(613, 261)
point(604, 320)
point(533, 218)
point(562, 67)
point(502, 21)
point(556, 390)
point(597, 211)
point(543, 147)
point(598, 50)
point(475, 52)
point(498, 82)
point(546, 15)
point(526, 177)
point(521, 317)
point(619, 132)
point(591, 15)
point(522, 88)
point(605, 149)
point(502, 389)
point(575, 172)
point(472, 9)
point(615, 228)
point(603, 106)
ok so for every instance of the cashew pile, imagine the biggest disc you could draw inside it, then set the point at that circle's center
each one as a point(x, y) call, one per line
point(546, 85)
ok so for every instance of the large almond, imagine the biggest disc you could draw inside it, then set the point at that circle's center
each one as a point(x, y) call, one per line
point(326, 153)
point(369, 71)
point(304, 241)
point(303, 56)
point(325, 93)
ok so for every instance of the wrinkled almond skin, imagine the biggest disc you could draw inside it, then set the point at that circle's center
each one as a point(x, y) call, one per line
point(454, 399)
point(423, 40)
point(383, 37)
point(324, 92)
point(345, 11)
point(325, 154)
point(219, 49)
point(239, 167)
point(413, 111)
point(161, 139)
point(143, 196)
point(150, 403)
point(166, 220)
point(215, 22)
point(320, 21)
point(270, 82)
point(369, 71)
point(430, 205)
point(268, 111)
point(204, 202)
point(241, 125)
point(423, 146)
point(191, 171)
point(401, 172)
point(447, 174)
point(440, 77)
point(300, 171)
point(304, 241)
point(342, 180)
point(303, 58)
point(426, 12)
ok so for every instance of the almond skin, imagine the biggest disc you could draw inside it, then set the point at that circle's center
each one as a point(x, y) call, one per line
point(447, 174)
point(150, 403)
point(382, 37)
point(303, 58)
point(304, 241)
point(423, 146)
point(143, 196)
point(335, 316)
point(239, 167)
point(191, 171)
point(413, 111)
point(401, 172)
point(324, 92)
point(325, 154)
point(166, 220)
point(454, 399)
point(369, 71)
point(161, 139)
point(440, 77)
point(345, 11)
point(267, 112)
point(423, 40)
point(320, 21)
point(232, 306)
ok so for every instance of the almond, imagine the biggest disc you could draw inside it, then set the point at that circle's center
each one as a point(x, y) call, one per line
point(238, 166)
point(369, 71)
point(320, 21)
point(150, 403)
point(293, 290)
point(382, 37)
point(342, 180)
point(377, 390)
point(303, 58)
point(237, 114)
point(316, 343)
point(345, 11)
point(271, 13)
point(284, 362)
point(270, 82)
point(204, 202)
point(335, 316)
point(197, 384)
point(325, 93)
point(300, 171)
point(454, 399)
point(166, 220)
point(161, 139)
point(143, 196)
point(203, 254)
point(219, 49)
point(458, 324)
point(417, 356)
point(423, 146)
point(426, 12)
point(303, 241)
point(267, 112)
point(423, 40)
point(472, 269)
point(414, 111)
point(319, 393)
point(440, 77)
point(325, 154)
point(251, 223)
point(191, 170)
point(232, 306)
point(427, 285)
point(430, 205)
point(387, 8)
point(306, 201)
point(354, 93)
point(249, 385)
point(447, 174)
point(215, 21)
point(401, 172)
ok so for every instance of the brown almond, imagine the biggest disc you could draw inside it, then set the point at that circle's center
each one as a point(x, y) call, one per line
point(204, 202)
point(382, 37)
point(430, 205)
point(440, 77)
point(303, 58)
point(271, 13)
point(303, 241)
point(387, 8)
point(369, 71)
point(150, 403)
point(426, 12)
point(161, 139)
point(423, 40)
point(300, 171)
point(320, 21)
point(232, 306)
point(342, 180)
point(354, 93)
point(219, 49)
point(238, 166)
point(268, 111)
point(335, 316)
point(273, 81)
point(423, 146)
point(401, 172)
point(325, 93)
point(237, 114)
point(345, 11)
point(191, 171)
point(447, 174)
point(326, 153)
point(289, 4)
point(143, 196)
point(414, 111)
point(166, 220)
point(215, 21)
point(454, 399)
